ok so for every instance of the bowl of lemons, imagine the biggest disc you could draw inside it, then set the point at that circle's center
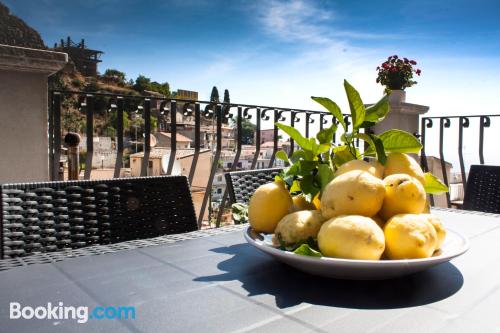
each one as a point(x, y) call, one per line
point(370, 221)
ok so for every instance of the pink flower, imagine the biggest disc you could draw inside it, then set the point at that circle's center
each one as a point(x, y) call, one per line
point(418, 71)
point(395, 56)
point(413, 62)
point(385, 65)
point(406, 60)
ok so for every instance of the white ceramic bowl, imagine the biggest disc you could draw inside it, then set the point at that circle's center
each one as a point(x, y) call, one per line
point(454, 245)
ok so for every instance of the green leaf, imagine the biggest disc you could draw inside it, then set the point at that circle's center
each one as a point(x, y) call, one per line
point(378, 111)
point(376, 144)
point(306, 250)
point(346, 137)
point(433, 185)
point(332, 107)
point(326, 134)
point(309, 187)
point(397, 141)
point(293, 170)
point(307, 167)
point(324, 175)
point(341, 155)
point(283, 156)
point(295, 186)
point(355, 104)
point(303, 142)
point(239, 212)
point(298, 155)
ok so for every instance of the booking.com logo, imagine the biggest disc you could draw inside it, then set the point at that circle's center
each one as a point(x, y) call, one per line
point(81, 314)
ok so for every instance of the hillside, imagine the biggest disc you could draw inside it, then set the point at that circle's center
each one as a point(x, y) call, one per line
point(14, 31)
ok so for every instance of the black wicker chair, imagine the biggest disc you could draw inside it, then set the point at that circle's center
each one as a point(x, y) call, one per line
point(52, 216)
point(242, 184)
point(483, 189)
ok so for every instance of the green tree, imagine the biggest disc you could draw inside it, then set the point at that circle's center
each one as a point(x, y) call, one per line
point(114, 76)
point(247, 131)
point(162, 88)
point(142, 83)
point(214, 96)
point(226, 109)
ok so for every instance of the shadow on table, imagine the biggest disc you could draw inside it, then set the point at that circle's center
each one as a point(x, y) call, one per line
point(260, 274)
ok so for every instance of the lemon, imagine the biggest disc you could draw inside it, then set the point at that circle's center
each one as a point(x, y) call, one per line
point(351, 237)
point(268, 205)
point(403, 194)
point(402, 163)
point(427, 208)
point(353, 193)
point(300, 203)
point(373, 167)
point(409, 236)
point(317, 202)
point(298, 226)
point(438, 226)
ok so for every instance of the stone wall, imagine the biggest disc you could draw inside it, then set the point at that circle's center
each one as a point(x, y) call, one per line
point(24, 153)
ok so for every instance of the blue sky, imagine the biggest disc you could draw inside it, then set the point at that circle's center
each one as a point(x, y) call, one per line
point(282, 52)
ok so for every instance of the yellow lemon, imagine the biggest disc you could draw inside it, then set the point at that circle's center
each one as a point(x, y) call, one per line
point(427, 208)
point(373, 167)
point(298, 226)
point(402, 163)
point(409, 236)
point(403, 194)
point(300, 203)
point(438, 226)
point(353, 193)
point(351, 237)
point(317, 202)
point(267, 206)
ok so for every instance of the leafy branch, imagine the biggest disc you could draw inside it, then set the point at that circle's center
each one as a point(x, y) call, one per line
point(309, 169)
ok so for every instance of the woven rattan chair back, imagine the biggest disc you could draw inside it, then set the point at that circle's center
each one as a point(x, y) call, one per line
point(242, 184)
point(52, 216)
point(483, 189)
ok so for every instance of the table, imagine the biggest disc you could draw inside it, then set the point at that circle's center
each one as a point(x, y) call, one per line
point(219, 283)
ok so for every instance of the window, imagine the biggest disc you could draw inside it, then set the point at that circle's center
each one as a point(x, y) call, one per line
point(150, 164)
point(229, 165)
point(219, 178)
point(239, 165)
point(219, 191)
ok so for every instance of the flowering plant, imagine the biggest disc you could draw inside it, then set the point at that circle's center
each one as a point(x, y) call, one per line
point(396, 73)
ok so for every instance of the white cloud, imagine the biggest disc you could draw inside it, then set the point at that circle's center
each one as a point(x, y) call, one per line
point(296, 20)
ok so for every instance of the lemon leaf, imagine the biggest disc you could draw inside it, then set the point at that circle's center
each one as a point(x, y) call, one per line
point(303, 142)
point(326, 134)
point(358, 111)
point(433, 185)
point(332, 107)
point(306, 250)
point(377, 112)
point(283, 156)
point(397, 141)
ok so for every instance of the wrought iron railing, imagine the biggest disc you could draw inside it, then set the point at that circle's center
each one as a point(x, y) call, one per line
point(165, 112)
point(454, 128)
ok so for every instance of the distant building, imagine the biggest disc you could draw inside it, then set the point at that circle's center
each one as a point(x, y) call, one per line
point(182, 164)
point(164, 139)
point(187, 94)
point(265, 135)
point(85, 59)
